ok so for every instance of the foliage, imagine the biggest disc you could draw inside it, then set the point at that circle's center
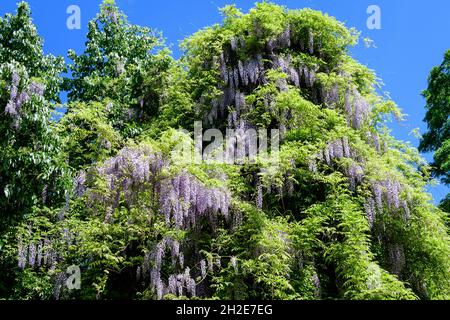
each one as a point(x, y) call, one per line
point(31, 165)
point(438, 105)
point(87, 134)
point(123, 63)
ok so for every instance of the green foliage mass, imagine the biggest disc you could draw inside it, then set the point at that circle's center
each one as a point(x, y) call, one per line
point(438, 118)
point(33, 171)
point(342, 214)
point(124, 63)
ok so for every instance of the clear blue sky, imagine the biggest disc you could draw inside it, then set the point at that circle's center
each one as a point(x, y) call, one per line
point(413, 38)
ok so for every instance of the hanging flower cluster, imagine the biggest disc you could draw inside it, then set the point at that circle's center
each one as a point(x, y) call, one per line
point(396, 258)
point(37, 254)
point(304, 76)
point(355, 174)
point(245, 73)
point(242, 144)
point(183, 201)
point(371, 213)
point(311, 42)
point(374, 139)
point(357, 108)
point(17, 99)
point(335, 150)
point(386, 194)
point(180, 284)
point(80, 184)
point(127, 173)
point(237, 43)
point(285, 40)
point(281, 42)
point(330, 96)
point(259, 197)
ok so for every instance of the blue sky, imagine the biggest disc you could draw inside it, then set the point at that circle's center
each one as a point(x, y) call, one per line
point(413, 38)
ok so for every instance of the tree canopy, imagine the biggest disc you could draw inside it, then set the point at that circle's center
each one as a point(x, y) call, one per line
point(437, 138)
point(33, 172)
point(30, 163)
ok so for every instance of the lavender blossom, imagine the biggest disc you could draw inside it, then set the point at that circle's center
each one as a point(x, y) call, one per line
point(14, 91)
point(155, 277)
point(370, 211)
point(282, 85)
point(138, 274)
point(180, 285)
point(327, 156)
point(172, 285)
point(346, 147)
point(338, 149)
point(240, 101)
point(376, 141)
point(237, 219)
point(203, 268)
point(32, 255)
point(44, 194)
point(22, 256)
point(37, 88)
point(39, 254)
point(234, 44)
point(290, 187)
point(312, 166)
point(80, 181)
point(316, 281)
point(285, 38)
point(360, 108)
point(294, 76)
point(15, 79)
point(159, 254)
point(378, 193)
point(175, 248)
point(191, 287)
point(259, 197)
point(46, 249)
point(181, 260)
point(347, 103)
point(311, 42)
point(236, 78)
point(159, 289)
point(355, 175)
point(22, 99)
point(407, 212)
point(234, 264)
point(185, 188)
point(10, 109)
